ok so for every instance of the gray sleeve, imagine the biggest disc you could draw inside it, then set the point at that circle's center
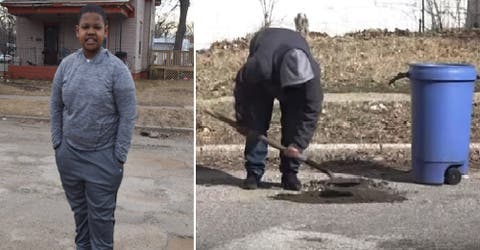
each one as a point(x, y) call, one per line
point(295, 68)
point(125, 100)
point(56, 108)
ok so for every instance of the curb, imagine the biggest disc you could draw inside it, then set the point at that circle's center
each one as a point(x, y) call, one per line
point(321, 149)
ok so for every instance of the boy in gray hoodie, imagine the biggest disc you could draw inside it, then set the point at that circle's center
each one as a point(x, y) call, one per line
point(93, 112)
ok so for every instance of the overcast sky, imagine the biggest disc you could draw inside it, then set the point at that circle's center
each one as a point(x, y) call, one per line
point(222, 19)
point(174, 15)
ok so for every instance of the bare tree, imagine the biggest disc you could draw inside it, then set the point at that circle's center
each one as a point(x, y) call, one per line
point(164, 24)
point(267, 10)
point(164, 28)
point(7, 27)
point(182, 27)
point(189, 31)
point(445, 13)
point(7, 20)
point(433, 10)
point(459, 11)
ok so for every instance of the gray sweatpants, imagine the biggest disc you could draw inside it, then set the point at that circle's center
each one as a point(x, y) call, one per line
point(91, 180)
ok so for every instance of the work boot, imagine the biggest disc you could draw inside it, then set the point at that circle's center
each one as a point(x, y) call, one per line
point(251, 182)
point(291, 182)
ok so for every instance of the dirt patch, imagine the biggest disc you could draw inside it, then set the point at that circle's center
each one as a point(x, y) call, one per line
point(165, 117)
point(359, 62)
point(24, 107)
point(147, 116)
point(25, 87)
point(164, 93)
point(179, 243)
point(367, 191)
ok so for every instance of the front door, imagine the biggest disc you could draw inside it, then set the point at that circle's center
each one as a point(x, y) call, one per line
point(51, 44)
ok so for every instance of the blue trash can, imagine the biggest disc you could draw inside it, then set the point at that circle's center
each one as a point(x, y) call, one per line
point(441, 98)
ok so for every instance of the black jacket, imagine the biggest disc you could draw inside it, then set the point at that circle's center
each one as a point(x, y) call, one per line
point(262, 70)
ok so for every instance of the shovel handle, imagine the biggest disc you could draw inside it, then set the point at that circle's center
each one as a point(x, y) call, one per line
point(279, 146)
point(274, 144)
point(302, 157)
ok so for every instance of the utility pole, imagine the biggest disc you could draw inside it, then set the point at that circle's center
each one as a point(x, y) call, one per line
point(475, 22)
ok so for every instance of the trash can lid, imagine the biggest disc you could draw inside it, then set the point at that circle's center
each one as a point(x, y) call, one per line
point(442, 72)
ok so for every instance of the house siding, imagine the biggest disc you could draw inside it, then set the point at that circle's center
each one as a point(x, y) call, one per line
point(67, 37)
point(129, 42)
point(30, 40)
point(142, 25)
point(30, 36)
point(114, 41)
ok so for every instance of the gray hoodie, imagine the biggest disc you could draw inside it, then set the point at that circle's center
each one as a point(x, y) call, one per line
point(93, 104)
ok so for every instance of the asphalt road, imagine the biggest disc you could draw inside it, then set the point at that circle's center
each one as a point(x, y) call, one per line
point(155, 200)
point(431, 217)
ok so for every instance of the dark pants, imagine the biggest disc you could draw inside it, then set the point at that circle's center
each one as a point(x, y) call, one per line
point(259, 105)
point(91, 180)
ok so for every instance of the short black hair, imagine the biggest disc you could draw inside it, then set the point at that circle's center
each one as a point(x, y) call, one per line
point(93, 8)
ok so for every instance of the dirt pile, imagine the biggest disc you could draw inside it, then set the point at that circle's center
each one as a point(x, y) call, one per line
point(368, 191)
point(359, 62)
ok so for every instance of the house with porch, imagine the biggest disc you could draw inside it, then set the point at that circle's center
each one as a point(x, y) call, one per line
point(45, 31)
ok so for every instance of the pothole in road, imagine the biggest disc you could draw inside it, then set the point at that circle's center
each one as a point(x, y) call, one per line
point(367, 191)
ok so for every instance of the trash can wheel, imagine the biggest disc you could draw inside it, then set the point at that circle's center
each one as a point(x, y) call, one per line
point(453, 176)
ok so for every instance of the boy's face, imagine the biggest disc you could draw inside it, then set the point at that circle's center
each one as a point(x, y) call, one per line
point(91, 31)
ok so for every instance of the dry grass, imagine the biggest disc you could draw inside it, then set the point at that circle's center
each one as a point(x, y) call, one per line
point(165, 118)
point(164, 93)
point(147, 116)
point(149, 92)
point(352, 63)
point(340, 123)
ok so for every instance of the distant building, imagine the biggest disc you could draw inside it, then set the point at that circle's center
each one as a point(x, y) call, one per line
point(167, 43)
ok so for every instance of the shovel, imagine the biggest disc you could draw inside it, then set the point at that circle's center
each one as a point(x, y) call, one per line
point(333, 180)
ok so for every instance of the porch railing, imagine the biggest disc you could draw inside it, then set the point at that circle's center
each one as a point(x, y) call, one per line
point(172, 58)
point(27, 56)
